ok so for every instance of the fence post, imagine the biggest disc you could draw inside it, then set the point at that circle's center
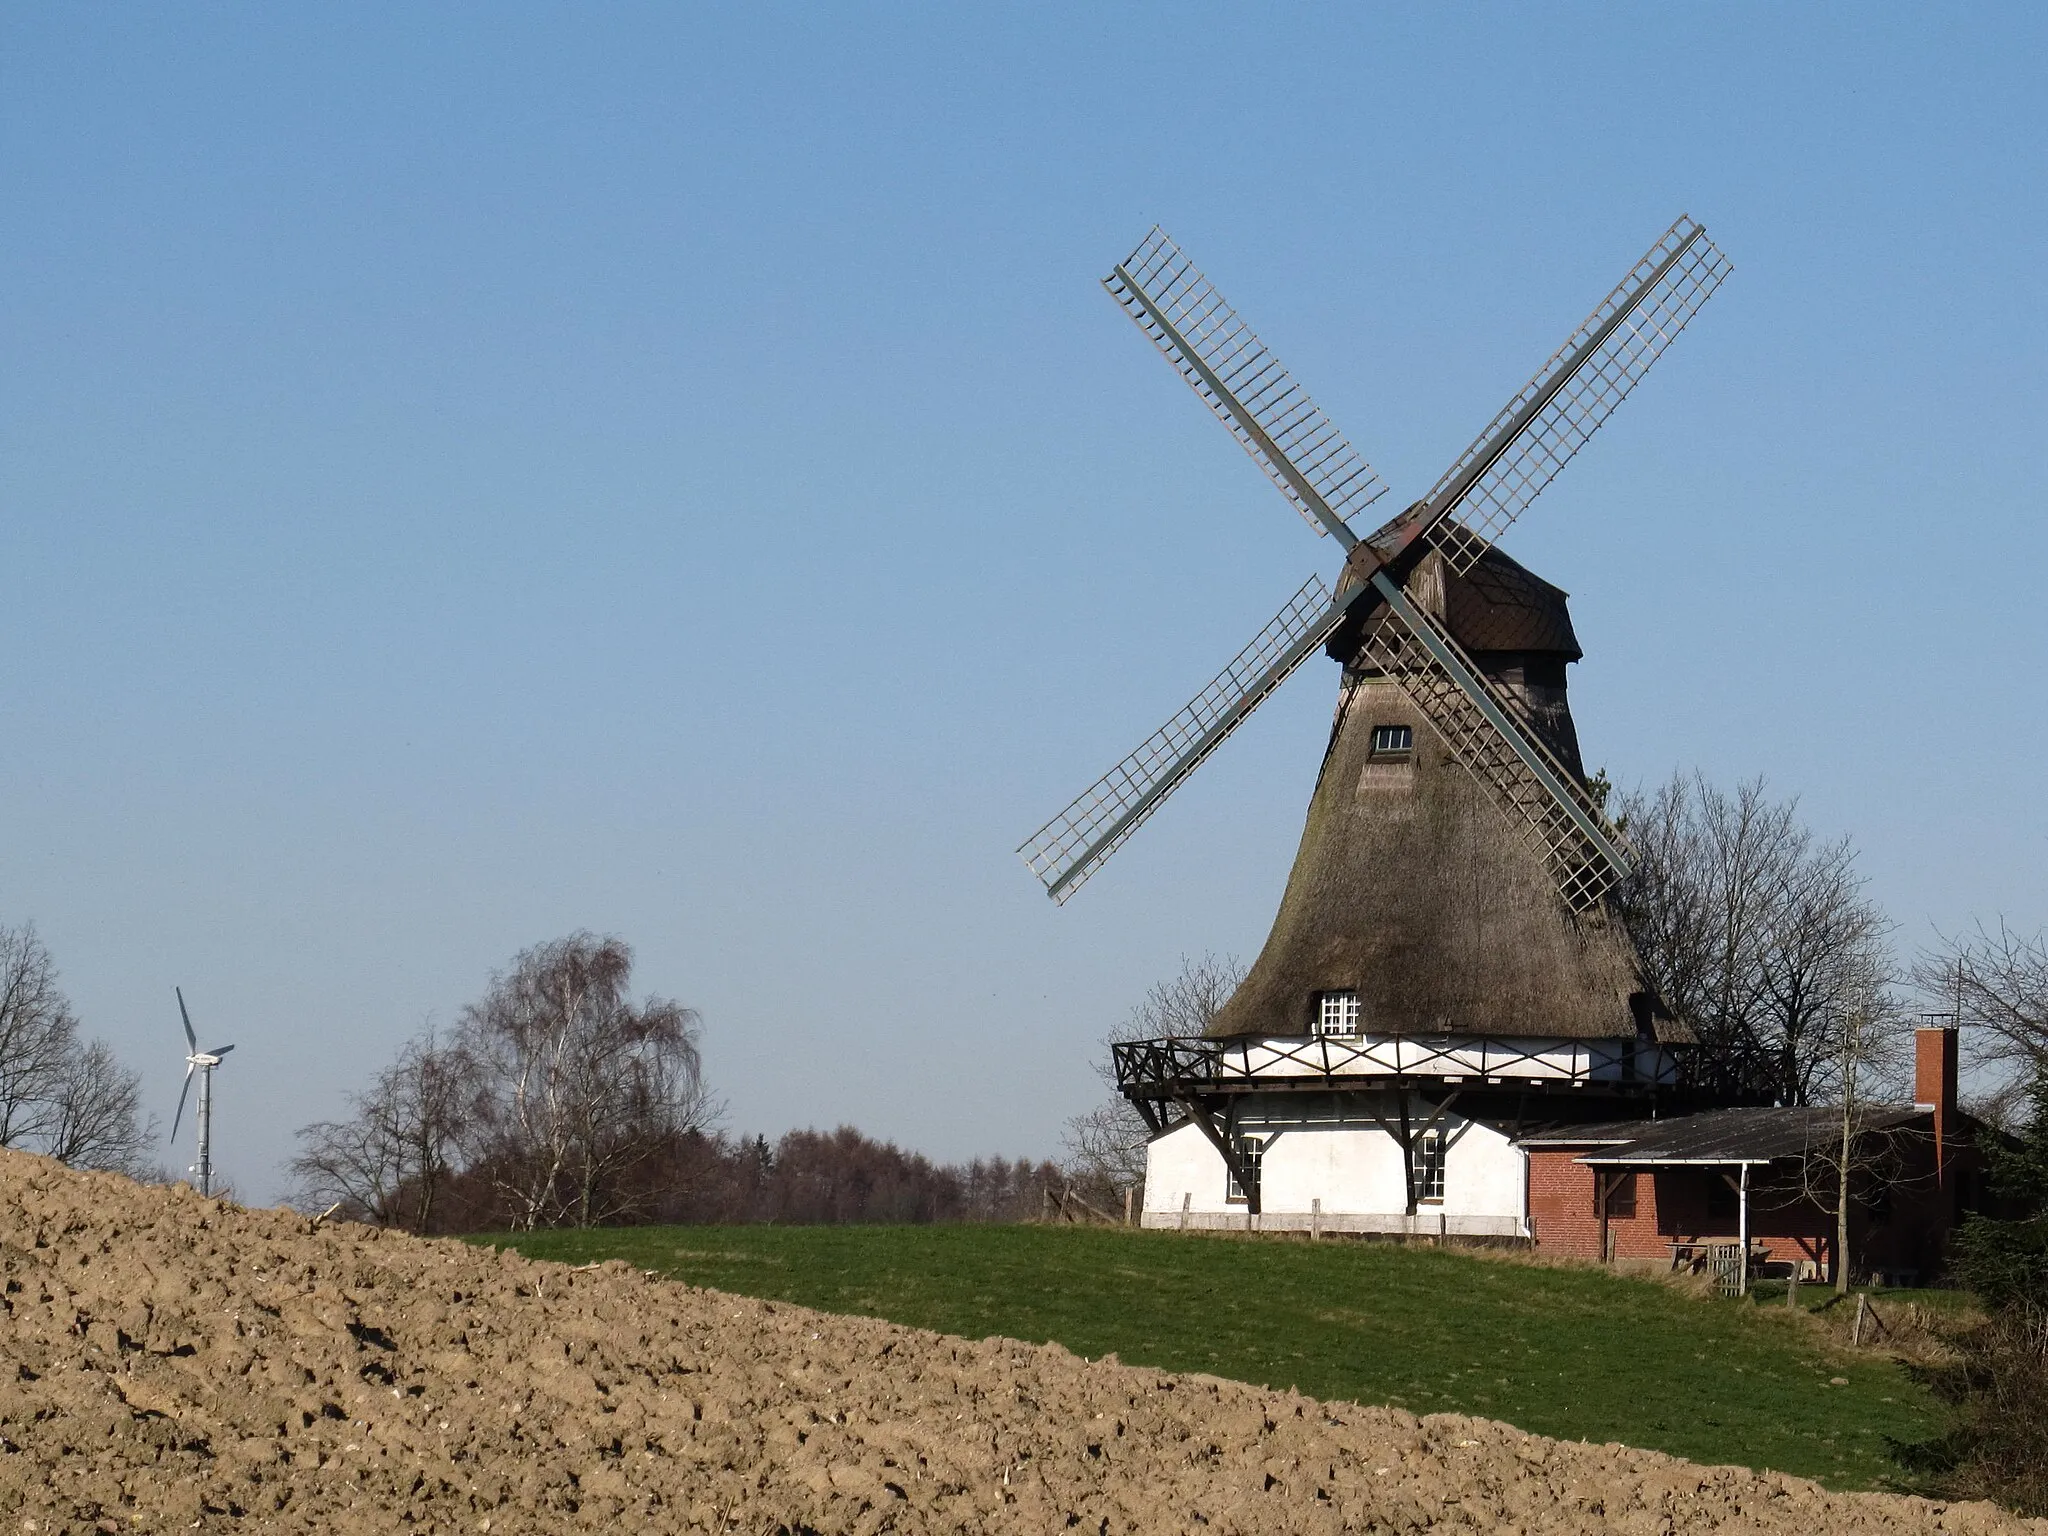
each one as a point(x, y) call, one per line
point(1129, 1190)
point(1315, 1220)
point(1792, 1287)
point(1856, 1332)
point(1186, 1199)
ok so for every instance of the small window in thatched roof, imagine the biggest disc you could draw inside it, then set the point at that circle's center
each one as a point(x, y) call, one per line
point(1337, 1013)
point(1393, 741)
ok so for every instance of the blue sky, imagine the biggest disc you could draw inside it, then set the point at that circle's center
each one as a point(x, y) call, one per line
point(474, 472)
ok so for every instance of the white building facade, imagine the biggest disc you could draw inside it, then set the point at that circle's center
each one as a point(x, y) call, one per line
point(1337, 1170)
point(1318, 1126)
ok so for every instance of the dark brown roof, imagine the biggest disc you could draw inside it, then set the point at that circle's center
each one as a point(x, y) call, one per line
point(1717, 1137)
point(1497, 608)
point(1500, 606)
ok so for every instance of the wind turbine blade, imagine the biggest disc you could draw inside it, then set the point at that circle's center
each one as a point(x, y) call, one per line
point(181, 1104)
point(1585, 855)
point(191, 1040)
point(1068, 849)
point(1557, 411)
point(220, 1050)
point(1270, 415)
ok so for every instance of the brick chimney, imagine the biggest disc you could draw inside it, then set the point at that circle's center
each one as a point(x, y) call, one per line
point(1934, 1083)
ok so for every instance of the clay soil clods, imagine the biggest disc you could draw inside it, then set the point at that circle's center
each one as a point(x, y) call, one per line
point(172, 1363)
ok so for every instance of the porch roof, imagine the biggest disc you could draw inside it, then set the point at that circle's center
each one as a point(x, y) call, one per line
point(1716, 1138)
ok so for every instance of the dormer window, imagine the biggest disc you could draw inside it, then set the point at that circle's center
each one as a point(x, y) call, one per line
point(1337, 1013)
point(1393, 743)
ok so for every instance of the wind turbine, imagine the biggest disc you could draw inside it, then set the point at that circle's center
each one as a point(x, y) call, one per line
point(202, 1062)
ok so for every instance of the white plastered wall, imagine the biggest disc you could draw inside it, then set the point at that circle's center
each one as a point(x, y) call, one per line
point(1346, 1162)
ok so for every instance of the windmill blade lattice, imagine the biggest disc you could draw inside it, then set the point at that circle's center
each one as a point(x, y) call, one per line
point(1225, 363)
point(1539, 430)
point(1068, 849)
point(1586, 857)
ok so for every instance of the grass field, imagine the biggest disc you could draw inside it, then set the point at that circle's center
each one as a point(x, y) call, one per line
point(1573, 1353)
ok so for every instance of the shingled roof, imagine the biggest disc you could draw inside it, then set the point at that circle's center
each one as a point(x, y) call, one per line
point(1499, 607)
point(1721, 1137)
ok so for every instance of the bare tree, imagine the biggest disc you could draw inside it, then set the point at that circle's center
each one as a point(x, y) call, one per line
point(1749, 928)
point(388, 1161)
point(59, 1095)
point(97, 1119)
point(1823, 978)
point(569, 1084)
point(1996, 984)
point(1107, 1144)
point(1858, 1159)
point(38, 1038)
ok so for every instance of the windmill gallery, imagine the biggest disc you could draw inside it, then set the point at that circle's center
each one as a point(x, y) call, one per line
point(1446, 1032)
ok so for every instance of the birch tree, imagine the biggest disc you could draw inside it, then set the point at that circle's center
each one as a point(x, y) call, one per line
point(568, 1083)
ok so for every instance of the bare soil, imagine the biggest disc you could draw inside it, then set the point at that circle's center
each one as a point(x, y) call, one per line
point(173, 1363)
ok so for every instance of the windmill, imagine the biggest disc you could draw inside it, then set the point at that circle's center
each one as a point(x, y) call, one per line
point(1445, 932)
point(203, 1063)
point(1329, 483)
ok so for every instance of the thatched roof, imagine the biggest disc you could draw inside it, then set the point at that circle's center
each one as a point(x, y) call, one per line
point(1412, 889)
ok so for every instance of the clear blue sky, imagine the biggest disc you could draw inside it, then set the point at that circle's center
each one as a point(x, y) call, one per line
point(473, 472)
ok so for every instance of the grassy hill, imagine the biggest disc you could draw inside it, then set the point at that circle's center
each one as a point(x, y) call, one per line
point(1572, 1353)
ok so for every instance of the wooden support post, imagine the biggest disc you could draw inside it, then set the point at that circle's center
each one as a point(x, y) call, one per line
point(1129, 1191)
point(1315, 1220)
point(1856, 1332)
point(1742, 1198)
point(1187, 1198)
point(1792, 1287)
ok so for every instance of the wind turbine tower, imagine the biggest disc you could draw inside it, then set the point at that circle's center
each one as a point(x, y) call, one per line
point(203, 1063)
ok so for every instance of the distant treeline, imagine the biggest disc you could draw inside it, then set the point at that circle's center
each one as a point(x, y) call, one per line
point(561, 1101)
point(804, 1178)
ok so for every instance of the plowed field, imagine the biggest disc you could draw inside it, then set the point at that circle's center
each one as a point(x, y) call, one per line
point(170, 1363)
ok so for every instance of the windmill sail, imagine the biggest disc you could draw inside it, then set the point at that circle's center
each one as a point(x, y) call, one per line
point(1303, 453)
point(1225, 363)
point(1585, 855)
point(1068, 849)
point(1538, 431)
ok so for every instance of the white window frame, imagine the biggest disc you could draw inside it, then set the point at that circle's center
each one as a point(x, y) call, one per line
point(1432, 1149)
point(1338, 1013)
point(1251, 1150)
point(1393, 740)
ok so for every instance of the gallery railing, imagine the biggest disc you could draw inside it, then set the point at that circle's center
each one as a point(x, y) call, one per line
point(1175, 1068)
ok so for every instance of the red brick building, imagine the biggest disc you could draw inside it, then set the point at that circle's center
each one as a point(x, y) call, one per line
point(1663, 1191)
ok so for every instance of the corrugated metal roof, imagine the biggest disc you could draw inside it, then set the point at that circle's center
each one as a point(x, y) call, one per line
point(1721, 1136)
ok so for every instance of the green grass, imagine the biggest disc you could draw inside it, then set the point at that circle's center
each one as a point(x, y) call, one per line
point(1574, 1353)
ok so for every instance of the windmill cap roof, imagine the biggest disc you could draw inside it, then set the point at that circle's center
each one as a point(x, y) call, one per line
point(1497, 606)
point(1500, 605)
